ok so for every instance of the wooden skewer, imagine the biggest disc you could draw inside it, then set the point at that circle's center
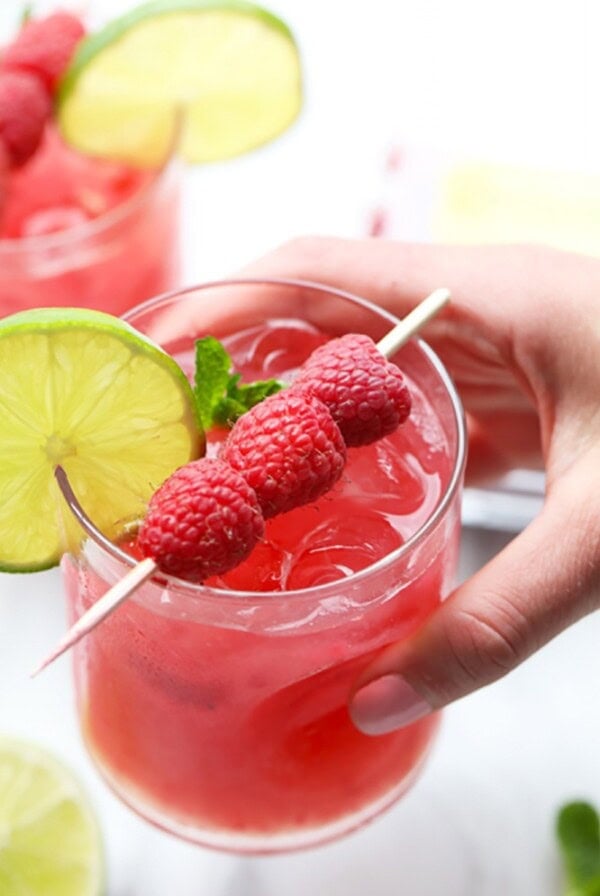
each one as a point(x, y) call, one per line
point(123, 589)
point(413, 322)
point(140, 573)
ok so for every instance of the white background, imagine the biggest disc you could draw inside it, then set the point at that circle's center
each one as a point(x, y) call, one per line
point(516, 80)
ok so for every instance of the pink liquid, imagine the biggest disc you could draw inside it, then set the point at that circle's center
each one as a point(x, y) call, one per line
point(242, 738)
point(86, 232)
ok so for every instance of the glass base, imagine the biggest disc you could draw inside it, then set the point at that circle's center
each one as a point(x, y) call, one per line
point(261, 843)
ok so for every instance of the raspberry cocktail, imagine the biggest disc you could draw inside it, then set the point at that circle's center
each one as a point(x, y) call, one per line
point(219, 711)
point(85, 232)
point(73, 225)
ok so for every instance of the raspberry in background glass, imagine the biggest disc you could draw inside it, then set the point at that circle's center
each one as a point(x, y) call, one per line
point(219, 711)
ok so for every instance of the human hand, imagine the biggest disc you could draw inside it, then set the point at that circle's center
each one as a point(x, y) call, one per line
point(521, 339)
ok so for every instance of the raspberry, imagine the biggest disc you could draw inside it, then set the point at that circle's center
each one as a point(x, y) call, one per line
point(24, 111)
point(201, 522)
point(365, 393)
point(4, 174)
point(44, 47)
point(288, 449)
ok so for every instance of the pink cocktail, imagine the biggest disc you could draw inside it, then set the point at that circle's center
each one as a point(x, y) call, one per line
point(86, 232)
point(219, 712)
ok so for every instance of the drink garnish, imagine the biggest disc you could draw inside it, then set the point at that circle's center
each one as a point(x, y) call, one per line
point(578, 833)
point(203, 521)
point(44, 47)
point(30, 69)
point(388, 346)
point(366, 394)
point(208, 78)
point(221, 397)
point(222, 75)
point(50, 838)
point(84, 390)
point(24, 111)
point(289, 449)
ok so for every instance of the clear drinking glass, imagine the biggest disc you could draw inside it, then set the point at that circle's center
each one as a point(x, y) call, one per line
point(219, 711)
point(110, 261)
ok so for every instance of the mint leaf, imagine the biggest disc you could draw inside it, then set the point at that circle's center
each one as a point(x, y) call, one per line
point(212, 376)
point(578, 832)
point(592, 888)
point(220, 396)
point(241, 397)
point(26, 14)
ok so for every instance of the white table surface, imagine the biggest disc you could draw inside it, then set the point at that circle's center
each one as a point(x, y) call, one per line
point(508, 80)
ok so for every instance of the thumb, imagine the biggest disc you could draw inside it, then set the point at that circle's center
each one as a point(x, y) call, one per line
point(544, 580)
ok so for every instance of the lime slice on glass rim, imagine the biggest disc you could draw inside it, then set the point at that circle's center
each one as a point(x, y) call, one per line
point(49, 840)
point(84, 390)
point(216, 77)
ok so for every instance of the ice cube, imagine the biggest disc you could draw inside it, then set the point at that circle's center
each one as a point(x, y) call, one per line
point(53, 220)
point(275, 349)
point(341, 545)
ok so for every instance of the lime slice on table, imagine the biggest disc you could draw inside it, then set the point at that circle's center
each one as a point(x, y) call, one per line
point(84, 390)
point(49, 840)
point(220, 78)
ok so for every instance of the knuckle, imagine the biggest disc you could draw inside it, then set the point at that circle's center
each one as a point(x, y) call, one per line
point(490, 640)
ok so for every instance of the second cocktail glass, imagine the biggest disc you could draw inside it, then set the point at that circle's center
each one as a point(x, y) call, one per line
point(219, 712)
point(110, 261)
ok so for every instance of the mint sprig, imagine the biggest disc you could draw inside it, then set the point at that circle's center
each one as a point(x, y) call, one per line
point(221, 397)
point(25, 14)
point(578, 833)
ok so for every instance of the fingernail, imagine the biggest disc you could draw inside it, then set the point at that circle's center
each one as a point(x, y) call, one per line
point(386, 704)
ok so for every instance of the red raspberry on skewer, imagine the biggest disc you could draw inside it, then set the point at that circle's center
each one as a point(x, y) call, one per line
point(288, 449)
point(203, 521)
point(365, 394)
point(24, 111)
point(44, 47)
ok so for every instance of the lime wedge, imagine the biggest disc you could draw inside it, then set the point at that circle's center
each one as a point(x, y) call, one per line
point(84, 390)
point(215, 78)
point(49, 840)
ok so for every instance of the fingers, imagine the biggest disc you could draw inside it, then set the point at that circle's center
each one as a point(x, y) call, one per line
point(395, 275)
point(474, 334)
point(543, 581)
point(514, 309)
point(491, 453)
point(503, 280)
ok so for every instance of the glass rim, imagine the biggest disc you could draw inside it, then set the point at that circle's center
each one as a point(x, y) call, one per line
point(206, 593)
point(63, 239)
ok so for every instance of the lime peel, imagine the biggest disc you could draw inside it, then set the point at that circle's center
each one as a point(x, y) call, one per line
point(85, 390)
point(50, 840)
point(219, 78)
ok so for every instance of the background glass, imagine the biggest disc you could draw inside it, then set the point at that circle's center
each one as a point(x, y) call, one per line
point(110, 262)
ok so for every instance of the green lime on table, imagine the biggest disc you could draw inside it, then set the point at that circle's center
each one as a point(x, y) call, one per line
point(84, 390)
point(215, 78)
point(49, 839)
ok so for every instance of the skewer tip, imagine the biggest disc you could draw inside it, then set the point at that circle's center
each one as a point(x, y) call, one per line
point(98, 611)
point(46, 662)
